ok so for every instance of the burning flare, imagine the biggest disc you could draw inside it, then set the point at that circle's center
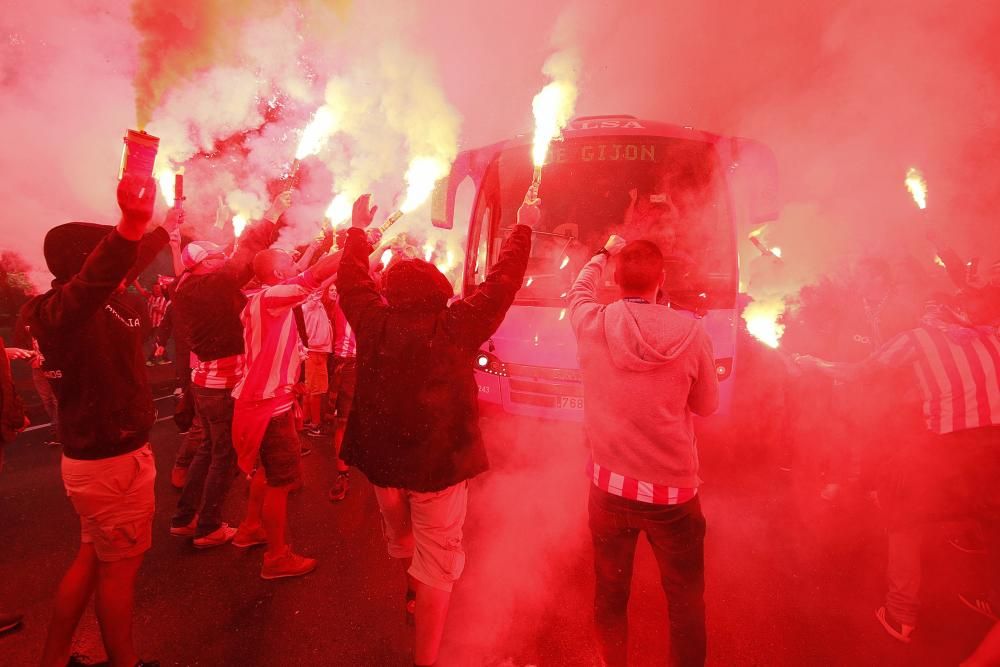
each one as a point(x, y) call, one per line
point(421, 176)
point(315, 134)
point(762, 321)
point(553, 107)
point(165, 181)
point(917, 186)
point(339, 209)
point(239, 223)
point(386, 258)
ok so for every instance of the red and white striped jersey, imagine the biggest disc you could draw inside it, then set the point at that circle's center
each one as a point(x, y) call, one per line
point(344, 343)
point(157, 309)
point(634, 489)
point(273, 348)
point(217, 374)
point(959, 375)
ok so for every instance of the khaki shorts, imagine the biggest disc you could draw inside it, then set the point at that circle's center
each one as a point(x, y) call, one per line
point(115, 501)
point(317, 377)
point(281, 451)
point(428, 528)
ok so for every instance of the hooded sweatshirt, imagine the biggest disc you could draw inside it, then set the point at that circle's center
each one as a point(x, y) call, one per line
point(414, 423)
point(91, 339)
point(646, 370)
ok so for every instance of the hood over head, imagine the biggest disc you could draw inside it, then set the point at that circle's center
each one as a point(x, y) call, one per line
point(414, 283)
point(67, 246)
point(644, 337)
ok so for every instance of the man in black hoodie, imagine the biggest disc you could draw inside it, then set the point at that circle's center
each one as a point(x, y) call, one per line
point(207, 302)
point(414, 425)
point(92, 344)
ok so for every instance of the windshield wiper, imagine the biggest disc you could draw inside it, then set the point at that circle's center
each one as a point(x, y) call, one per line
point(538, 231)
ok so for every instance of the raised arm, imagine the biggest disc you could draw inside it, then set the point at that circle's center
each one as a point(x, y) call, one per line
point(107, 265)
point(583, 294)
point(238, 269)
point(476, 317)
point(355, 287)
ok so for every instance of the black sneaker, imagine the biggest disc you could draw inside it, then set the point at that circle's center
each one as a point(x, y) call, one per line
point(896, 629)
point(339, 489)
point(979, 604)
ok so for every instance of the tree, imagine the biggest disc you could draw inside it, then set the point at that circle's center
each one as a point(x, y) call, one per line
point(15, 286)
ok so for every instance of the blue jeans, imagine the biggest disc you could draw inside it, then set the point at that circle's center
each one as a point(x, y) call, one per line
point(213, 468)
point(677, 535)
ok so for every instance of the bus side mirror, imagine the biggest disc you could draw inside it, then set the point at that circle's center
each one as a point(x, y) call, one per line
point(439, 205)
point(755, 176)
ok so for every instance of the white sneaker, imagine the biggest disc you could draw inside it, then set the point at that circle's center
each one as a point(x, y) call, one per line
point(216, 538)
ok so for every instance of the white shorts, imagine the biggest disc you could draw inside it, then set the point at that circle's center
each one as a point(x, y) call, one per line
point(428, 528)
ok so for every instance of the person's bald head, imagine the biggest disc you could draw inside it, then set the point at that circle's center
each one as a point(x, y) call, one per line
point(271, 266)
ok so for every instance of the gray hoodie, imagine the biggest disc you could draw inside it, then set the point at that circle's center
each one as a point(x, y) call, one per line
point(646, 369)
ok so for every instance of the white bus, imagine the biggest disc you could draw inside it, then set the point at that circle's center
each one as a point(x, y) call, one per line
point(697, 195)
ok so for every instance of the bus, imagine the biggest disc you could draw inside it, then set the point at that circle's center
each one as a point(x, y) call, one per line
point(696, 194)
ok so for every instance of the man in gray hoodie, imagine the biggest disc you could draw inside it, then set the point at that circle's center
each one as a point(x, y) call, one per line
point(646, 370)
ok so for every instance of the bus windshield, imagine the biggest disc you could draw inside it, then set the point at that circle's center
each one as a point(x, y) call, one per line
point(669, 191)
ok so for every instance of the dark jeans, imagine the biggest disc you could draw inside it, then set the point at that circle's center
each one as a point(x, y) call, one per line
point(935, 478)
point(214, 466)
point(677, 535)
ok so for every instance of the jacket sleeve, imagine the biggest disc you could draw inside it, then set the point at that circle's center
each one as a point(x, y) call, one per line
point(290, 293)
point(703, 398)
point(583, 304)
point(238, 269)
point(149, 247)
point(476, 317)
point(74, 301)
point(356, 291)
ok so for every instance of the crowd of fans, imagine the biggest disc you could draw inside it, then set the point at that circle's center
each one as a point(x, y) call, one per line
point(280, 349)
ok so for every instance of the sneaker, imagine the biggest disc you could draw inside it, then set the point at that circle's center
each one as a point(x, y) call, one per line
point(245, 538)
point(224, 533)
point(184, 531)
point(150, 363)
point(178, 476)
point(9, 621)
point(897, 630)
point(339, 489)
point(287, 564)
point(979, 604)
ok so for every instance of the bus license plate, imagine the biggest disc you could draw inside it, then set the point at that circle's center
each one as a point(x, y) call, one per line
point(570, 402)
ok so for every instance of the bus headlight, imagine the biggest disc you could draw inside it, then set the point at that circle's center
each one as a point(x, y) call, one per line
point(490, 363)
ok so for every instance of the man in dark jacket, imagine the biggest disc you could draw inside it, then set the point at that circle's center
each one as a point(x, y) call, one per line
point(414, 428)
point(92, 344)
point(207, 303)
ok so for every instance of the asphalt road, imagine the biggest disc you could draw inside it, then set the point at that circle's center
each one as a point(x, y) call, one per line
point(791, 580)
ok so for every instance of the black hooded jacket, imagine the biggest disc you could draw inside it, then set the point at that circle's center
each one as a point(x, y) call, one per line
point(91, 338)
point(414, 423)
